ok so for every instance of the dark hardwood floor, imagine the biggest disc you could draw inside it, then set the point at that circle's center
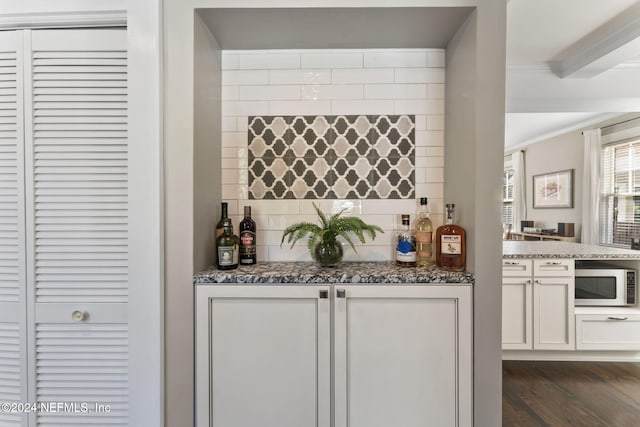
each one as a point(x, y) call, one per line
point(573, 394)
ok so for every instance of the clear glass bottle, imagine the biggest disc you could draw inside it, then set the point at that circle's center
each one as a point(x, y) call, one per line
point(451, 248)
point(227, 247)
point(406, 245)
point(247, 238)
point(424, 235)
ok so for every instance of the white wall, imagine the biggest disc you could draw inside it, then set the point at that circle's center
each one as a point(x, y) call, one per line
point(332, 82)
point(556, 154)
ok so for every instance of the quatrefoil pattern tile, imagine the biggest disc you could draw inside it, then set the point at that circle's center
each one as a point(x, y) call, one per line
point(332, 157)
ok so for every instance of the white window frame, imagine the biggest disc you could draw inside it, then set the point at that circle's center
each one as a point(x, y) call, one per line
point(610, 197)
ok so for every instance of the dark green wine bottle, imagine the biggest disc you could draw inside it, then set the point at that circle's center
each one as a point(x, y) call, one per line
point(228, 247)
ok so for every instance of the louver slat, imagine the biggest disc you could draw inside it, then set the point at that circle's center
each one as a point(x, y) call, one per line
point(80, 176)
point(83, 364)
point(11, 207)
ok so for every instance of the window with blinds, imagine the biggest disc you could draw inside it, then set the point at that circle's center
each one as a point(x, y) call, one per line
point(620, 199)
point(507, 197)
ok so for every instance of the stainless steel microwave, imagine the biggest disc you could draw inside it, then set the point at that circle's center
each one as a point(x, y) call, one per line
point(605, 285)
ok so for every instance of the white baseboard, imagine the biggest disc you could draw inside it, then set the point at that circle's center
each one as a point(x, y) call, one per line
point(577, 356)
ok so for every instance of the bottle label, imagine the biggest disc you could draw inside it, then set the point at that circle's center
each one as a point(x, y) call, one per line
point(451, 244)
point(405, 252)
point(423, 237)
point(227, 255)
point(247, 243)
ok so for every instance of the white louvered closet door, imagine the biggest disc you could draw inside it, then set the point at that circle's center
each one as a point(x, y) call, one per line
point(13, 369)
point(77, 223)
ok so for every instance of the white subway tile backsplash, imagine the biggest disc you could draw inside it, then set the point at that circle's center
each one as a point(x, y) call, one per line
point(435, 175)
point(280, 222)
point(230, 176)
point(299, 253)
point(229, 153)
point(420, 106)
point(435, 122)
point(435, 91)
point(409, 59)
point(434, 190)
point(229, 62)
point(370, 253)
point(393, 207)
point(365, 75)
point(429, 139)
point(235, 192)
point(229, 124)
point(352, 207)
point(421, 122)
point(245, 108)
point(395, 91)
point(288, 77)
point(434, 162)
point(242, 124)
point(327, 82)
point(234, 139)
point(269, 93)
point(230, 93)
point(329, 92)
point(363, 107)
point(420, 162)
point(245, 77)
point(276, 207)
point(435, 151)
point(436, 58)
point(290, 108)
point(269, 61)
point(331, 60)
point(419, 75)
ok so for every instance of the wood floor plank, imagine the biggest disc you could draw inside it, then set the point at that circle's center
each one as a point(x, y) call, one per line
point(558, 394)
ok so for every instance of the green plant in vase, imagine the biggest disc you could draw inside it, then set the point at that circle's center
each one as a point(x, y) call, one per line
point(323, 237)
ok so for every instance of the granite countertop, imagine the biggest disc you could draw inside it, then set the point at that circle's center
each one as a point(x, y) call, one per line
point(553, 249)
point(347, 273)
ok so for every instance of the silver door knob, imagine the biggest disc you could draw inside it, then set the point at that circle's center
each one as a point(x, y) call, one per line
point(79, 316)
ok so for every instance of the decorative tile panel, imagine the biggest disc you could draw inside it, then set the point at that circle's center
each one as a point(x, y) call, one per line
point(332, 157)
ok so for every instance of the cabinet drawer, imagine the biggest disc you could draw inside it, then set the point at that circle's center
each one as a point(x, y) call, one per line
point(553, 267)
point(516, 267)
point(608, 332)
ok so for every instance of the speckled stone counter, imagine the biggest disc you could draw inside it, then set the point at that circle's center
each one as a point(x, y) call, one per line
point(552, 249)
point(348, 272)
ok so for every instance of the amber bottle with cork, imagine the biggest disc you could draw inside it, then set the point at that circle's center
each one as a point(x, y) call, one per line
point(451, 248)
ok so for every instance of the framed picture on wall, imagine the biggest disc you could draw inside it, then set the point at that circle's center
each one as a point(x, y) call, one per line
point(553, 190)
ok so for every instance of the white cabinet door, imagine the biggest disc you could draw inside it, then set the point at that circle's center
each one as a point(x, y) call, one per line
point(263, 356)
point(77, 221)
point(13, 325)
point(517, 313)
point(553, 318)
point(402, 356)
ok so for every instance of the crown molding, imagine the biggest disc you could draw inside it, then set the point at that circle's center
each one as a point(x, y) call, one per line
point(63, 20)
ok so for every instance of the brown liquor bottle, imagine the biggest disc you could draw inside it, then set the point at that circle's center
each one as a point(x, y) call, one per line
point(451, 248)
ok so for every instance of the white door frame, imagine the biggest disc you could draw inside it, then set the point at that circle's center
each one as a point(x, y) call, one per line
point(143, 19)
